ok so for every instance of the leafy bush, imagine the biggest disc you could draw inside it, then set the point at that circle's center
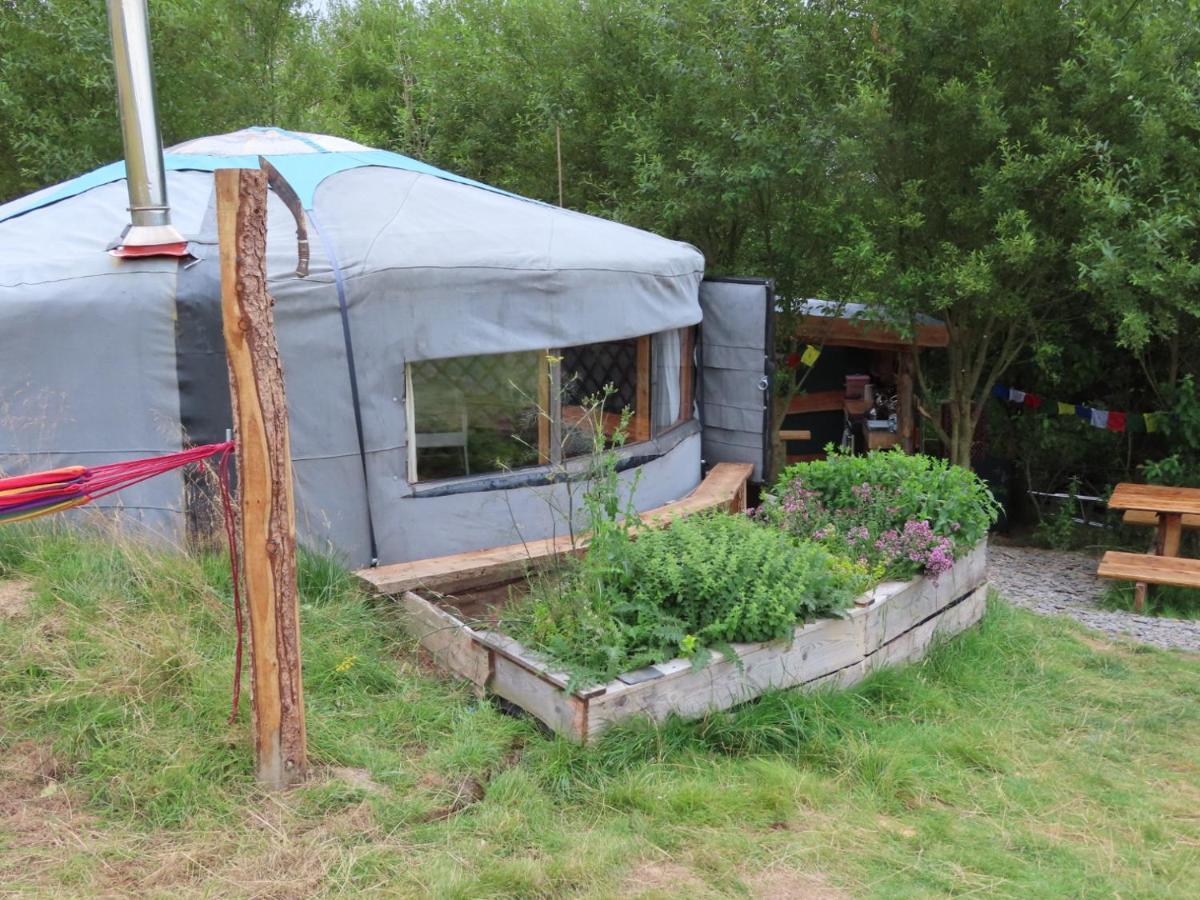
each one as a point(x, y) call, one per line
point(904, 514)
point(702, 582)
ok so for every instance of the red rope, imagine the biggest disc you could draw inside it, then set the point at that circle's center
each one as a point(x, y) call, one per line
point(235, 567)
point(27, 496)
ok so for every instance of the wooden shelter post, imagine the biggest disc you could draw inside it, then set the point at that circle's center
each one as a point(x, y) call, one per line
point(905, 360)
point(264, 469)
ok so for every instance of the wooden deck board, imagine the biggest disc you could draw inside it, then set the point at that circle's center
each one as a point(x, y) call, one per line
point(724, 487)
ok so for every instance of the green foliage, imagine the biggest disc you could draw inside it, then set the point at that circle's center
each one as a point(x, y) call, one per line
point(702, 582)
point(954, 500)
point(705, 581)
point(898, 513)
point(219, 65)
point(1181, 430)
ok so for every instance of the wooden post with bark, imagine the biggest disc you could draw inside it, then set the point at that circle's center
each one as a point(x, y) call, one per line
point(264, 469)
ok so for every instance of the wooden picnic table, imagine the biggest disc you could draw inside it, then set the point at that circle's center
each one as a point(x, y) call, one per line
point(1169, 504)
point(1162, 565)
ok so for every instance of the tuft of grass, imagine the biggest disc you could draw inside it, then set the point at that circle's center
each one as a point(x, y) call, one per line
point(1023, 758)
point(1164, 600)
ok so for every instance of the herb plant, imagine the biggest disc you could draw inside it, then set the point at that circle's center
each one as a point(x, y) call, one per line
point(888, 510)
point(703, 582)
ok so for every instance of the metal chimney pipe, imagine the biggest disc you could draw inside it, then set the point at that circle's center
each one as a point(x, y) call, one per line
point(150, 232)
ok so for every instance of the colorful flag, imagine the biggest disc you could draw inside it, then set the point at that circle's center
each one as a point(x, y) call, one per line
point(1115, 421)
point(1083, 412)
point(1016, 396)
point(1066, 409)
point(1100, 418)
point(1033, 401)
point(810, 355)
point(1152, 422)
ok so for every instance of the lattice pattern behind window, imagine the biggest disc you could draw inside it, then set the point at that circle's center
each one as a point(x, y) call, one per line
point(586, 370)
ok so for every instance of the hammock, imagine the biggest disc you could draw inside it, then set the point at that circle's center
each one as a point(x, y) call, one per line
point(25, 497)
point(40, 493)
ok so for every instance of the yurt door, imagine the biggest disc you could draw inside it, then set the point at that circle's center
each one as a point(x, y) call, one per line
point(736, 371)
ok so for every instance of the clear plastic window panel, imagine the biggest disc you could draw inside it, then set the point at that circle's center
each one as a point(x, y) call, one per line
point(475, 414)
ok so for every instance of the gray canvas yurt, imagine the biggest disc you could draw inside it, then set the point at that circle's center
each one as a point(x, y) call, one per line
point(413, 348)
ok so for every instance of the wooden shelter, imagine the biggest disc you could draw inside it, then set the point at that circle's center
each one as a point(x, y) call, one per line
point(863, 365)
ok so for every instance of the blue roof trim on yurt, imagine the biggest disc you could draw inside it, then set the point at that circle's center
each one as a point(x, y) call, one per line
point(303, 171)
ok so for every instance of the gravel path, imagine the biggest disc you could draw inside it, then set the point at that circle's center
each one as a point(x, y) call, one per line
point(1054, 583)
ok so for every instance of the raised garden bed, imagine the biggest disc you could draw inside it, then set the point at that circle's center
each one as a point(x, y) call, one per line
point(892, 623)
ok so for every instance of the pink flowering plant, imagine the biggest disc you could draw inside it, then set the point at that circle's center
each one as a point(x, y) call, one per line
point(896, 514)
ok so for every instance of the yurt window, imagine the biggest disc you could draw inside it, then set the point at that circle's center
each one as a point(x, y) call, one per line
point(672, 380)
point(473, 415)
point(585, 372)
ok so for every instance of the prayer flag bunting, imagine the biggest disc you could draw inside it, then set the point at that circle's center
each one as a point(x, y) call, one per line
point(810, 356)
point(1110, 420)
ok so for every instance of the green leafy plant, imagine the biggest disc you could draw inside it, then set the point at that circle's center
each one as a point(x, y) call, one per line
point(1059, 530)
point(898, 513)
point(703, 582)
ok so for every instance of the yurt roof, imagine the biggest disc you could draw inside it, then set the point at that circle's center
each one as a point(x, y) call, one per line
point(304, 159)
point(475, 268)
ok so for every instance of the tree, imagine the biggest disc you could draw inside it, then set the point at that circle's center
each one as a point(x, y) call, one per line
point(219, 65)
point(966, 155)
point(1138, 252)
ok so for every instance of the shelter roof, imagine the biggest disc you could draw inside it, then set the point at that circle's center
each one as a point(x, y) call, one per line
point(852, 324)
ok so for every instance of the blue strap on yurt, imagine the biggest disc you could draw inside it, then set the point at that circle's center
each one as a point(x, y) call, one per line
point(340, 282)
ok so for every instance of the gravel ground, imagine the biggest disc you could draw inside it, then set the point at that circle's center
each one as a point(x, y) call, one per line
point(1054, 583)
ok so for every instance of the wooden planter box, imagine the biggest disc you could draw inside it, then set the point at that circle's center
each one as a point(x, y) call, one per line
point(892, 623)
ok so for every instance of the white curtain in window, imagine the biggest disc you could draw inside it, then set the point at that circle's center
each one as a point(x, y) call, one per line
point(664, 403)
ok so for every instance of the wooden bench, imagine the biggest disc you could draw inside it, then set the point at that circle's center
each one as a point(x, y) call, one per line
point(1165, 508)
point(1149, 518)
point(723, 488)
point(1150, 569)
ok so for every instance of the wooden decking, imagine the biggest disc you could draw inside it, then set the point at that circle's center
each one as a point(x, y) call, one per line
point(723, 488)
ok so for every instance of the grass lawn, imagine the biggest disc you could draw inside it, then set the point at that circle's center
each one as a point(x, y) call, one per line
point(1026, 758)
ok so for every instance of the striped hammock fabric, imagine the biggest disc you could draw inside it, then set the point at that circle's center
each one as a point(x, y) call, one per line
point(24, 497)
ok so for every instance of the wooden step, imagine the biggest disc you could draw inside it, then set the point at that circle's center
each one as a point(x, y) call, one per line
point(1174, 570)
point(1148, 518)
point(723, 488)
